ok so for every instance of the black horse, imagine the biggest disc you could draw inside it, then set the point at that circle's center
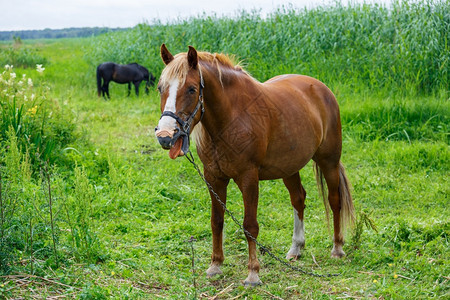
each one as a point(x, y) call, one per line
point(131, 73)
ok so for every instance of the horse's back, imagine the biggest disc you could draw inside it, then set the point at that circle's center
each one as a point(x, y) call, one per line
point(106, 66)
point(309, 86)
point(130, 72)
point(305, 94)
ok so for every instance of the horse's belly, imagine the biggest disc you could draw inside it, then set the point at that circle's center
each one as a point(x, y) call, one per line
point(290, 146)
point(286, 161)
point(277, 172)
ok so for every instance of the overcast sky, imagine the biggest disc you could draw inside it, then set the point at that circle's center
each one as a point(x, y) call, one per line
point(58, 14)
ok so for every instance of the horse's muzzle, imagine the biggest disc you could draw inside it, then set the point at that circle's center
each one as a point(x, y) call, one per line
point(166, 138)
point(166, 142)
point(176, 141)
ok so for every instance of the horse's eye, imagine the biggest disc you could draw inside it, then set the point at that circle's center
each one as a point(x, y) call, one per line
point(191, 90)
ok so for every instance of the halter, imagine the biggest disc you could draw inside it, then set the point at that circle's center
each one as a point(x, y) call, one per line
point(185, 129)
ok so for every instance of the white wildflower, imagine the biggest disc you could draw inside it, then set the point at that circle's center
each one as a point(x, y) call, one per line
point(32, 97)
point(8, 67)
point(13, 75)
point(39, 68)
point(30, 82)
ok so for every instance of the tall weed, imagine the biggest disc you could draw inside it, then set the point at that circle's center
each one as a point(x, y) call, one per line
point(17, 195)
point(79, 211)
point(37, 121)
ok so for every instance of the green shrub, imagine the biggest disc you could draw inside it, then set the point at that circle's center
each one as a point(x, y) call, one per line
point(35, 213)
point(20, 56)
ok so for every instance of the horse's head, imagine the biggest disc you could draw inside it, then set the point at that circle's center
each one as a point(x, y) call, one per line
point(149, 81)
point(148, 77)
point(181, 90)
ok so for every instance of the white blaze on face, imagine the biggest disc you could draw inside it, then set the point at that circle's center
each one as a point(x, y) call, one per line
point(167, 123)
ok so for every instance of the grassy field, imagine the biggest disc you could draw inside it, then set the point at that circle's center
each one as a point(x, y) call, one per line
point(93, 208)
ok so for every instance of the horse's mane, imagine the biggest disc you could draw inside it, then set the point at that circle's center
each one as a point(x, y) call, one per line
point(220, 58)
point(178, 68)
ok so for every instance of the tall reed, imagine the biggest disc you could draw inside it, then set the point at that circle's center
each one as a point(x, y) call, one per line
point(398, 49)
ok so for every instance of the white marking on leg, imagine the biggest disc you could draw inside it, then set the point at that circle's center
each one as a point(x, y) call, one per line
point(298, 237)
point(168, 123)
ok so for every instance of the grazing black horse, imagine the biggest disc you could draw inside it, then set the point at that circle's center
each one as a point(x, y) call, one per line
point(131, 73)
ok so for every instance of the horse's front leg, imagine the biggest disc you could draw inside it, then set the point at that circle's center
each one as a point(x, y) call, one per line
point(248, 183)
point(129, 89)
point(146, 87)
point(136, 87)
point(217, 218)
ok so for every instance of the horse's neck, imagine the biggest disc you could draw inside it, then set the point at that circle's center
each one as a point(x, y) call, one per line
point(221, 98)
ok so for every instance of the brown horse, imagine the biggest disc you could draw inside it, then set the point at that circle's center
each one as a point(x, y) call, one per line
point(250, 131)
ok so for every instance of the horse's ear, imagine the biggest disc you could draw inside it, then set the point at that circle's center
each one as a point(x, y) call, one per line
point(192, 58)
point(166, 56)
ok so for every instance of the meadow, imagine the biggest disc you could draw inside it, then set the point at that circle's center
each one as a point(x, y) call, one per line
point(91, 207)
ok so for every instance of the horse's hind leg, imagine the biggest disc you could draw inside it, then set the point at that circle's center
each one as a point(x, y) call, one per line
point(297, 194)
point(332, 178)
point(340, 201)
point(129, 89)
point(105, 89)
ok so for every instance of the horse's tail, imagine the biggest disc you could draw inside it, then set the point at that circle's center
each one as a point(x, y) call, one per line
point(347, 213)
point(99, 81)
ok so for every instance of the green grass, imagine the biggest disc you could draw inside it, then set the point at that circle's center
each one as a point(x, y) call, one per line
point(123, 211)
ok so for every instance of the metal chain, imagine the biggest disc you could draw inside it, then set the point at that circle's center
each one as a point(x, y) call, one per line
point(262, 248)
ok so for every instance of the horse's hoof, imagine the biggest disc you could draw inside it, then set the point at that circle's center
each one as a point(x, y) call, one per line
point(252, 284)
point(213, 270)
point(292, 257)
point(296, 250)
point(337, 252)
point(252, 280)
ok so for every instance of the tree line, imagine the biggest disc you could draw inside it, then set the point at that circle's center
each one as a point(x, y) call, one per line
point(56, 33)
